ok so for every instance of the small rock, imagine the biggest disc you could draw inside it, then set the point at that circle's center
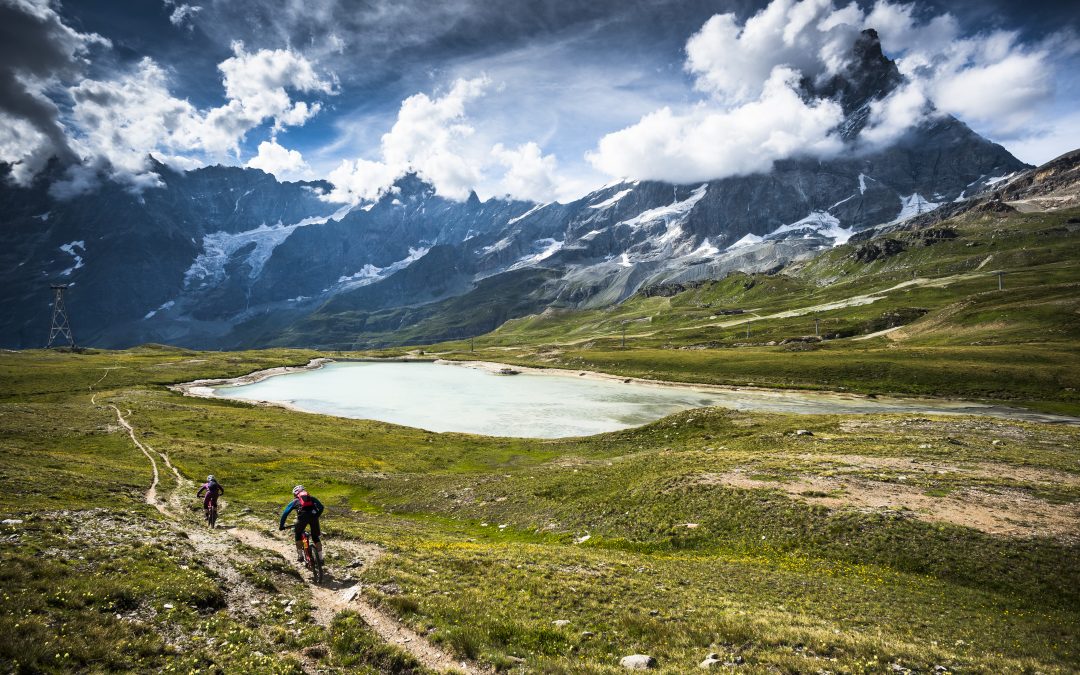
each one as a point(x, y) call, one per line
point(349, 593)
point(998, 442)
point(11, 521)
point(637, 662)
point(167, 606)
point(586, 634)
point(288, 609)
point(560, 622)
point(654, 612)
point(803, 432)
point(582, 540)
point(710, 661)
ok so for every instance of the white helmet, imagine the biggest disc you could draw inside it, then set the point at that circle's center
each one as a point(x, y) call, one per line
point(211, 479)
point(297, 490)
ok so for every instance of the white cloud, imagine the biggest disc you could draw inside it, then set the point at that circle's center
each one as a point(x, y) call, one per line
point(733, 62)
point(122, 120)
point(430, 137)
point(433, 136)
point(182, 14)
point(39, 54)
point(119, 122)
point(713, 142)
point(893, 115)
point(752, 73)
point(284, 163)
point(530, 174)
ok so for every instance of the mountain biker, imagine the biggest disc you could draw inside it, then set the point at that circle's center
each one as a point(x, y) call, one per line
point(308, 510)
point(213, 490)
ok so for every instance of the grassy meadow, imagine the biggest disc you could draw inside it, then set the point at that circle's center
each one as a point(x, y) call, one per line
point(780, 543)
point(689, 536)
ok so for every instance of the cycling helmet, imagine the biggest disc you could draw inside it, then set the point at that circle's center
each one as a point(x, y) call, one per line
point(297, 490)
point(210, 478)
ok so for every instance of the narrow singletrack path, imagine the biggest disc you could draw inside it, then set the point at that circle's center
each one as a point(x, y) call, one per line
point(329, 599)
point(151, 493)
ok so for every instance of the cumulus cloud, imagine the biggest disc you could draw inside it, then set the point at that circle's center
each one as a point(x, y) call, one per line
point(756, 77)
point(710, 142)
point(530, 174)
point(284, 163)
point(38, 53)
point(122, 120)
point(431, 136)
point(434, 137)
point(111, 126)
point(182, 14)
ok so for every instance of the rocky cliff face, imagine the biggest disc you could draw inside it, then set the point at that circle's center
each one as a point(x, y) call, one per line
point(229, 257)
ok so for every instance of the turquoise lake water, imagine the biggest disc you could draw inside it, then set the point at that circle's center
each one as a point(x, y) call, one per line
point(443, 397)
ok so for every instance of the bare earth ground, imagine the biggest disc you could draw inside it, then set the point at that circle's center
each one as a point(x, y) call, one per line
point(997, 510)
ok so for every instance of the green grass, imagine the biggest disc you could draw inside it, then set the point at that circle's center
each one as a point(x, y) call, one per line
point(961, 336)
point(776, 580)
point(707, 531)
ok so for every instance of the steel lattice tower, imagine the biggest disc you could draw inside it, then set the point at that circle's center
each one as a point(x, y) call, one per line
point(61, 327)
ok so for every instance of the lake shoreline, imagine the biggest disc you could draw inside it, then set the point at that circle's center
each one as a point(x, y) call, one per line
point(206, 388)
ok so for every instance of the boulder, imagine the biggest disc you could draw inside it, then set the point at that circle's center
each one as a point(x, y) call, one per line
point(638, 662)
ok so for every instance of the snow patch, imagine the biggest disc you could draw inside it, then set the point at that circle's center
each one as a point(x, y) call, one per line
point(914, 205)
point(671, 213)
point(527, 213)
point(70, 250)
point(818, 222)
point(162, 308)
point(611, 200)
point(862, 183)
point(748, 240)
point(369, 273)
point(547, 248)
point(208, 268)
point(43, 216)
point(842, 201)
point(624, 261)
point(706, 249)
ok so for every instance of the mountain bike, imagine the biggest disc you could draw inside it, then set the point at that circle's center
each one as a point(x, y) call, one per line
point(312, 559)
point(211, 514)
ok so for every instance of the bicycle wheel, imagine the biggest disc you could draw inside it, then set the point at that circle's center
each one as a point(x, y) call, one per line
point(212, 516)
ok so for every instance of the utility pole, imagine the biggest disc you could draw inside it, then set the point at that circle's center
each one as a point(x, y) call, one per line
point(624, 335)
point(1001, 281)
point(61, 327)
point(817, 326)
point(747, 330)
point(472, 344)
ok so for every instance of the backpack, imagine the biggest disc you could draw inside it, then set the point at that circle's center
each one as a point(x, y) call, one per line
point(307, 502)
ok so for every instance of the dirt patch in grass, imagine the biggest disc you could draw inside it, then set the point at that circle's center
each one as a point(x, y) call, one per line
point(988, 470)
point(1006, 512)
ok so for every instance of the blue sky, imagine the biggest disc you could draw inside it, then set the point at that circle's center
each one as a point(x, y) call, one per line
point(542, 99)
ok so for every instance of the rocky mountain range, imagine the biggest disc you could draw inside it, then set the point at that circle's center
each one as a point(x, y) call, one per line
point(225, 257)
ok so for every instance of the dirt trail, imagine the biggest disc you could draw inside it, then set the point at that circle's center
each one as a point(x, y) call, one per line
point(151, 493)
point(331, 597)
